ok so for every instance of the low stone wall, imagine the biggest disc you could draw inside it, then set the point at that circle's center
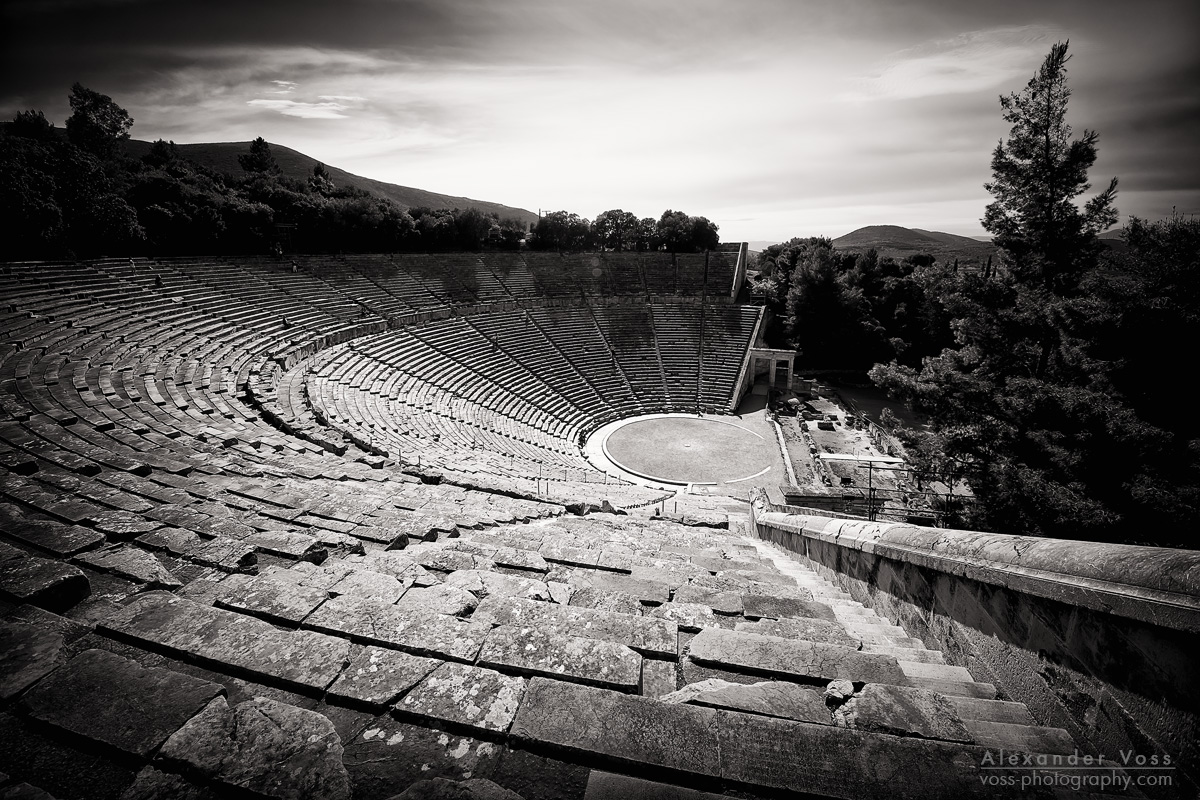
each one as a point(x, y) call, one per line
point(1100, 639)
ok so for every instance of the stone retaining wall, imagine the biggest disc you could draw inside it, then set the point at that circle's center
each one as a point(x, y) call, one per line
point(1099, 639)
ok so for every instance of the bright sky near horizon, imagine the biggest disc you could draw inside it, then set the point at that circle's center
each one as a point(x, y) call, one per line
point(773, 118)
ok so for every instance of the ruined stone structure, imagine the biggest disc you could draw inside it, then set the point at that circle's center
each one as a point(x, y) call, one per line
point(324, 531)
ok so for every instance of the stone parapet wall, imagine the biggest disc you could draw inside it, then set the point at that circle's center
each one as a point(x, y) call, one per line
point(1099, 639)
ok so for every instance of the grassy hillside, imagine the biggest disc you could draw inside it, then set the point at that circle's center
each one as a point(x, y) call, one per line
point(222, 157)
point(898, 242)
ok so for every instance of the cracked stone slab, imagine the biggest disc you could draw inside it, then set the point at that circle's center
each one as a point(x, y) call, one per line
point(828, 761)
point(635, 730)
point(417, 630)
point(607, 601)
point(757, 606)
point(792, 657)
point(903, 711)
point(265, 747)
point(812, 630)
point(443, 560)
point(288, 544)
point(471, 696)
point(485, 583)
point(163, 621)
point(131, 563)
point(719, 601)
point(370, 584)
point(27, 654)
point(640, 633)
point(443, 598)
point(769, 698)
point(224, 554)
point(114, 700)
point(642, 589)
point(274, 600)
point(534, 651)
point(689, 616)
point(123, 525)
point(377, 676)
point(62, 540)
point(51, 585)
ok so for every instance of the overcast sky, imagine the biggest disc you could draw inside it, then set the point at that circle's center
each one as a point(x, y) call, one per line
point(773, 118)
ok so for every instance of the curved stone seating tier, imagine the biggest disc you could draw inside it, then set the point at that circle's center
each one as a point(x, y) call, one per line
point(513, 393)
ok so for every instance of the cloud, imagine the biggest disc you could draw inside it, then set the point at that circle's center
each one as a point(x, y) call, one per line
point(295, 108)
point(285, 87)
point(967, 63)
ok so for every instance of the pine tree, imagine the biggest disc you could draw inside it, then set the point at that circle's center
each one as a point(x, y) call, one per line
point(1021, 401)
point(259, 160)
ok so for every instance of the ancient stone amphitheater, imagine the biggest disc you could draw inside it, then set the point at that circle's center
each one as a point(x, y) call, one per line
point(322, 528)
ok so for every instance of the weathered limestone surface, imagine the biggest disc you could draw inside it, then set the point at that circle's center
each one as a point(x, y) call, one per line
point(443, 789)
point(377, 676)
point(761, 605)
point(272, 599)
point(531, 650)
point(486, 583)
point(131, 563)
point(160, 620)
point(418, 630)
point(721, 602)
point(116, 701)
point(443, 598)
point(27, 653)
point(904, 711)
point(466, 695)
point(770, 698)
point(794, 658)
point(636, 730)
point(49, 584)
point(690, 616)
point(263, 746)
point(644, 634)
point(154, 784)
point(811, 630)
point(610, 786)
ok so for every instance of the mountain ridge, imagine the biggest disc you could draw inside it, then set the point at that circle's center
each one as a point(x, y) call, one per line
point(222, 157)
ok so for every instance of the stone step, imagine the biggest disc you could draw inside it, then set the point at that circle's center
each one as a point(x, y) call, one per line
point(982, 691)
point(535, 651)
point(905, 653)
point(42, 582)
point(791, 658)
point(991, 710)
point(228, 641)
point(115, 701)
point(647, 635)
point(939, 672)
point(1021, 738)
point(659, 740)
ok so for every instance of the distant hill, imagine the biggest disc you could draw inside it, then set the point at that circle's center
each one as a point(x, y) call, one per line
point(898, 242)
point(222, 157)
point(1113, 234)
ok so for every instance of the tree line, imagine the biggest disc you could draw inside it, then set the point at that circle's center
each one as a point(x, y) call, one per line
point(619, 230)
point(1054, 381)
point(75, 193)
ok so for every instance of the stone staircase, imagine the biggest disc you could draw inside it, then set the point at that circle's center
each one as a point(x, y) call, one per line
point(561, 657)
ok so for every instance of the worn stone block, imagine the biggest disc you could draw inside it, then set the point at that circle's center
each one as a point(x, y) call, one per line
point(466, 695)
point(131, 563)
point(235, 641)
point(534, 651)
point(644, 634)
point(416, 630)
point(265, 747)
point(792, 657)
point(27, 653)
point(113, 700)
point(377, 676)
